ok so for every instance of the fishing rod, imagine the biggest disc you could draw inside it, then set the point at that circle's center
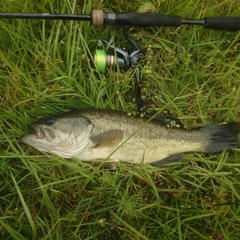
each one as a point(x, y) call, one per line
point(107, 55)
point(100, 18)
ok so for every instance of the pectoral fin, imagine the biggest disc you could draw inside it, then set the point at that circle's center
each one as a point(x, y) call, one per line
point(108, 138)
point(170, 160)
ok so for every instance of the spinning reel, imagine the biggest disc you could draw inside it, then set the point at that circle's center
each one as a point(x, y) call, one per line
point(109, 56)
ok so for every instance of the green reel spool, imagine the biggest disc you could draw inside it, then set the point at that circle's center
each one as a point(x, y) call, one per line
point(103, 60)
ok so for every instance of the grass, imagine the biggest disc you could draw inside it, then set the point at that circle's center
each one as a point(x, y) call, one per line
point(190, 72)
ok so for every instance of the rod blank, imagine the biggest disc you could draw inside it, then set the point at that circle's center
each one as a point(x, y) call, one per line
point(83, 17)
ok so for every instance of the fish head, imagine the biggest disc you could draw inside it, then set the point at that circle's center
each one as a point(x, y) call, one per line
point(65, 135)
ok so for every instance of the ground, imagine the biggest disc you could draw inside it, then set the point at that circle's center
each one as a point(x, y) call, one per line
point(189, 72)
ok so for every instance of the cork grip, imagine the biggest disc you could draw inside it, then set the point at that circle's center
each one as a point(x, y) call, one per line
point(97, 18)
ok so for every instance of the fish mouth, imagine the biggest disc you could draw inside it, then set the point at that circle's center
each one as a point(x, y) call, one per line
point(41, 133)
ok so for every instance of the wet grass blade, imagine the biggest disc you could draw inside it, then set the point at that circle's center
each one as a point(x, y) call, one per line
point(26, 209)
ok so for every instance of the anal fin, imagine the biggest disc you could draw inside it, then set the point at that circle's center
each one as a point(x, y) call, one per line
point(170, 160)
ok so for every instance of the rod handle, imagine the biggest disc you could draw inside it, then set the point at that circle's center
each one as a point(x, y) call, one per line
point(147, 20)
point(100, 18)
point(97, 18)
point(223, 23)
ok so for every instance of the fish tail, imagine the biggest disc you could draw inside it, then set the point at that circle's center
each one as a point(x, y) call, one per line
point(222, 136)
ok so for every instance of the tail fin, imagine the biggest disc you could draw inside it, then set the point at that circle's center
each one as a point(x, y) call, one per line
point(222, 136)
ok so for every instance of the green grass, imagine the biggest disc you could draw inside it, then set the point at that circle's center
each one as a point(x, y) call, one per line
point(190, 72)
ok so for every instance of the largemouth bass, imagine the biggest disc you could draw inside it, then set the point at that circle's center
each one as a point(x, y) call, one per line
point(105, 135)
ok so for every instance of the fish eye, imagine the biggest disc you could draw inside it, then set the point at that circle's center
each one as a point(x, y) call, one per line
point(49, 122)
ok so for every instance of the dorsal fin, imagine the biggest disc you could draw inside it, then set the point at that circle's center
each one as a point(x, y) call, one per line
point(166, 120)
